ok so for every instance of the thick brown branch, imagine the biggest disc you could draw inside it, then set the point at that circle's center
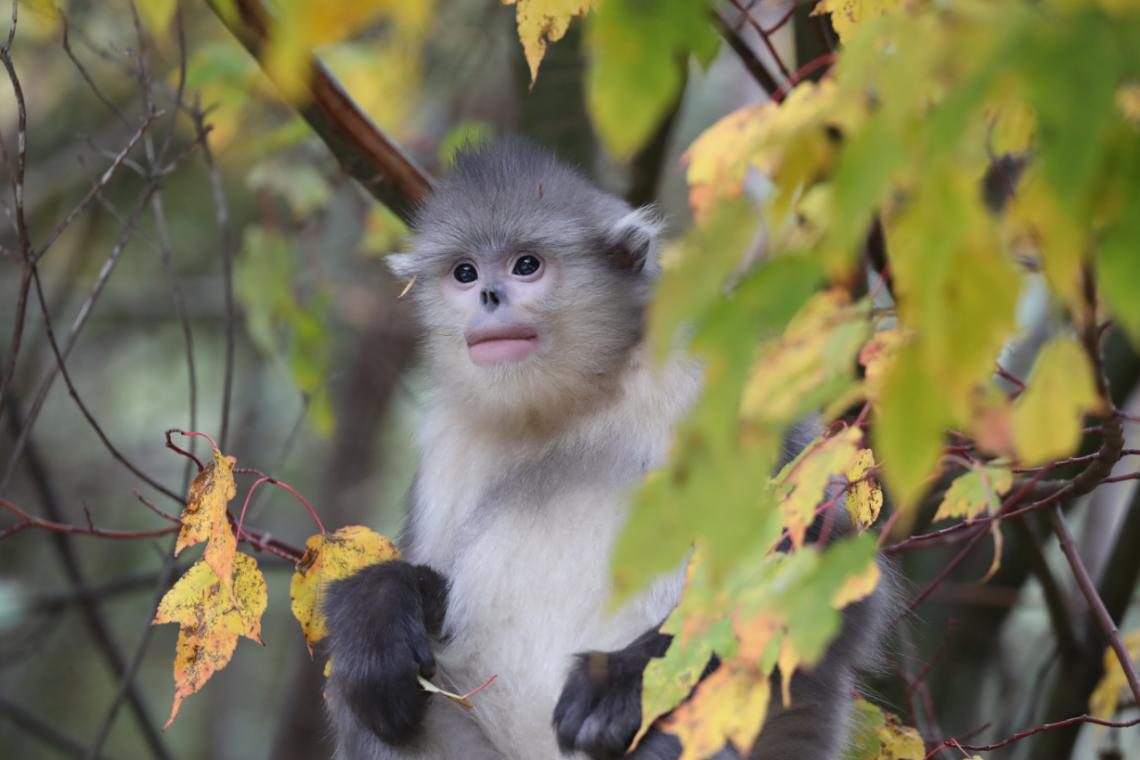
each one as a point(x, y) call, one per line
point(363, 150)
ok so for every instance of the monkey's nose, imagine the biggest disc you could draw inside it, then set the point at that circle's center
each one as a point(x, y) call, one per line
point(490, 299)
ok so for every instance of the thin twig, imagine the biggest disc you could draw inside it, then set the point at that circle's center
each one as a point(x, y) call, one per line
point(16, 174)
point(764, 36)
point(1096, 604)
point(31, 521)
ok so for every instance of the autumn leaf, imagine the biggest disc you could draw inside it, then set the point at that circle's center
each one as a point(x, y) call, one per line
point(882, 736)
point(772, 137)
point(847, 14)
point(812, 361)
point(205, 518)
point(1047, 416)
point(156, 14)
point(802, 484)
point(542, 22)
point(857, 587)
point(730, 704)
point(865, 497)
point(329, 557)
point(977, 491)
point(211, 619)
point(301, 25)
point(1106, 696)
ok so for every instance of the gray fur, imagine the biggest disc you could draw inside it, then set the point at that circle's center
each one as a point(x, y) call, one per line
point(526, 468)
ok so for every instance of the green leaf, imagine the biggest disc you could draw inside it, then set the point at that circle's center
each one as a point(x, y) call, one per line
point(977, 491)
point(717, 464)
point(912, 415)
point(639, 53)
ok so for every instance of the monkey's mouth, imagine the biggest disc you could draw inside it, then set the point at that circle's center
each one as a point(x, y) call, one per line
point(501, 345)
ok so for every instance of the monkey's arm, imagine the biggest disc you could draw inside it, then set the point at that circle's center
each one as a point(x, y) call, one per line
point(380, 621)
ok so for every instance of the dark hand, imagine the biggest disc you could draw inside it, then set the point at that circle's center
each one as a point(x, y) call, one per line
point(599, 710)
point(380, 622)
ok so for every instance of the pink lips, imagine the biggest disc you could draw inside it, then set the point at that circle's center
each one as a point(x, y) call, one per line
point(497, 345)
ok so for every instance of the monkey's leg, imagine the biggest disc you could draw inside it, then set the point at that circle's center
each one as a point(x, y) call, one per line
point(599, 710)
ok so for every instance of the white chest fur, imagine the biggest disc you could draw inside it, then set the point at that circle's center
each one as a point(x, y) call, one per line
point(524, 533)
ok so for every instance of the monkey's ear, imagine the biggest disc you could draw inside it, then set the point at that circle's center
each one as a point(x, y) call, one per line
point(401, 264)
point(632, 242)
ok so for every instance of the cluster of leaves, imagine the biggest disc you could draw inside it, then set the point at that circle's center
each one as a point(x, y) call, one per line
point(996, 145)
point(223, 595)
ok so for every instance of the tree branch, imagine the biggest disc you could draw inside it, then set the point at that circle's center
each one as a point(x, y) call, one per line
point(362, 149)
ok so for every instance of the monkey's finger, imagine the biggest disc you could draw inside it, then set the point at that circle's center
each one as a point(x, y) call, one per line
point(421, 652)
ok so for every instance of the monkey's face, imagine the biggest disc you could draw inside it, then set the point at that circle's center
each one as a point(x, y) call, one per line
point(530, 283)
point(498, 298)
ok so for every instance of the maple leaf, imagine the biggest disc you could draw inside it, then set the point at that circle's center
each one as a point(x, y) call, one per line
point(329, 557)
point(541, 22)
point(211, 619)
point(205, 519)
point(865, 498)
point(729, 704)
point(975, 492)
point(856, 587)
point(802, 484)
point(786, 140)
point(812, 361)
point(846, 15)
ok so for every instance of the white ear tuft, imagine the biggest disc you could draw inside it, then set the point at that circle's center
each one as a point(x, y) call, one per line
point(401, 264)
point(633, 240)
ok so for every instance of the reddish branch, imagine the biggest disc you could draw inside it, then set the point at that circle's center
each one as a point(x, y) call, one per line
point(31, 521)
point(948, 743)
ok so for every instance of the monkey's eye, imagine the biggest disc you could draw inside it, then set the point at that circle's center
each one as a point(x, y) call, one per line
point(526, 265)
point(465, 272)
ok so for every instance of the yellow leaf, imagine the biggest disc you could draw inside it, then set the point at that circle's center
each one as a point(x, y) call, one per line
point(328, 558)
point(1047, 416)
point(729, 705)
point(802, 483)
point(211, 620)
point(1128, 101)
point(811, 362)
point(856, 587)
point(1106, 696)
point(881, 736)
point(864, 499)
point(541, 22)
point(1013, 126)
point(205, 519)
point(846, 14)
point(899, 741)
point(156, 14)
point(975, 492)
point(764, 137)
point(301, 25)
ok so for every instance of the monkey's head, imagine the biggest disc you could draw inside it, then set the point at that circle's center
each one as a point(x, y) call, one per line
point(531, 283)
